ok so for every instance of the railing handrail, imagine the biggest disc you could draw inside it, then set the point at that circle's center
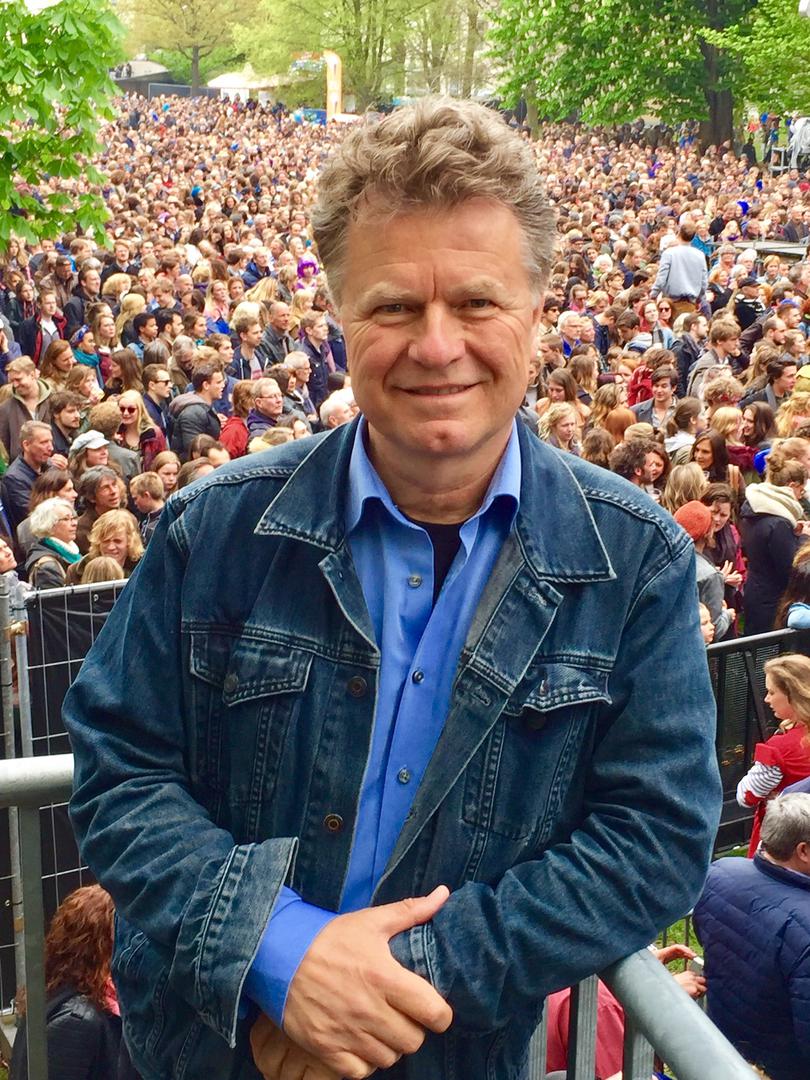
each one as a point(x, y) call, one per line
point(654, 1003)
point(36, 781)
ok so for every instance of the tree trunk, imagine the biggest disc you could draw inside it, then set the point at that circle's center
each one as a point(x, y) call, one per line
point(195, 70)
point(399, 57)
point(531, 110)
point(468, 70)
point(719, 127)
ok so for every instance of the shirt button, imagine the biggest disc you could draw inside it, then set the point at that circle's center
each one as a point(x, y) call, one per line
point(231, 683)
point(418, 676)
point(415, 580)
point(404, 776)
point(357, 686)
point(333, 823)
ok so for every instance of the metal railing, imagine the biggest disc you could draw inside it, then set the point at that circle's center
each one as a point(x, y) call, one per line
point(660, 1018)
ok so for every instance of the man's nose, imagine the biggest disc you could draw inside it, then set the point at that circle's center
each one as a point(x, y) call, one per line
point(438, 337)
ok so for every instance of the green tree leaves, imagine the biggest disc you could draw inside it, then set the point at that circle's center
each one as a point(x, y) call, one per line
point(55, 91)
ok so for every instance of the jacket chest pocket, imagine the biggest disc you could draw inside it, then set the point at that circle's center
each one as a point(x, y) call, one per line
point(245, 693)
point(515, 783)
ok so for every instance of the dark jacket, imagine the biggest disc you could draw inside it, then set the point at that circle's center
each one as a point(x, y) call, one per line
point(51, 568)
point(257, 423)
point(83, 1043)
point(686, 350)
point(769, 545)
point(74, 310)
point(14, 413)
point(274, 347)
point(17, 482)
point(252, 274)
point(317, 386)
point(30, 335)
point(192, 416)
point(753, 921)
point(159, 415)
point(239, 366)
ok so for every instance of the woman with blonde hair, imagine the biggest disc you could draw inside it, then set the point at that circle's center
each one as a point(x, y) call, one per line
point(132, 304)
point(605, 399)
point(116, 287)
point(217, 307)
point(300, 306)
point(82, 380)
point(115, 535)
point(265, 291)
point(727, 421)
point(558, 427)
point(792, 413)
point(785, 758)
point(56, 365)
point(138, 432)
point(101, 569)
point(686, 483)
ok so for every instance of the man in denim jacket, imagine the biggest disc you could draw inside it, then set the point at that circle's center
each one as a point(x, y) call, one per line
point(398, 729)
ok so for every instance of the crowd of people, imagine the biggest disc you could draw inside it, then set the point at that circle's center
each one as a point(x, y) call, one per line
point(668, 351)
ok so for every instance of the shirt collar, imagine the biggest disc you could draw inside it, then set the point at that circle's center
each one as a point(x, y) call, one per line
point(365, 484)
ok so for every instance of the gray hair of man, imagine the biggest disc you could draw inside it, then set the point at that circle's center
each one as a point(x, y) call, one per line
point(182, 346)
point(786, 825)
point(435, 154)
point(89, 481)
point(45, 516)
point(296, 360)
point(338, 401)
point(264, 386)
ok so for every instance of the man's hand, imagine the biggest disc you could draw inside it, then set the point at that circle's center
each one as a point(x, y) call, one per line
point(351, 1004)
point(58, 461)
point(277, 1057)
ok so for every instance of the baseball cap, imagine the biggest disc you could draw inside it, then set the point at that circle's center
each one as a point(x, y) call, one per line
point(90, 440)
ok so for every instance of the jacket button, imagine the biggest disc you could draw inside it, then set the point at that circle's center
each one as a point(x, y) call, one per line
point(418, 676)
point(231, 683)
point(357, 686)
point(333, 822)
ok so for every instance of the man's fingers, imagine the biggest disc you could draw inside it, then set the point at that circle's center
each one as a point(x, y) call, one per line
point(415, 998)
point(414, 910)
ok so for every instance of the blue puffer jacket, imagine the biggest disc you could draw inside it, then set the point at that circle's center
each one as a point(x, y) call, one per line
point(753, 921)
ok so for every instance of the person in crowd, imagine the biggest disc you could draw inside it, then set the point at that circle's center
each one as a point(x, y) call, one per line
point(156, 386)
point(145, 329)
point(62, 281)
point(724, 346)
point(66, 419)
point(725, 548)
point(659, 409)
point(794, 606)
point(234, 434)
point(53, 483)
point(682, 429)
point(558, 427)
point(194, 413)
point(336, 410)
point(84, 350)
point(685, 483)
point(106, 420)
point(137, 432)
point(125, 373)
point(247, 362)
point(752, 923)
point(297, 396)
point(83, 1018)
point(634, 460)
point(781, 375)
point(314, 344)
point(100, 492)
point(706, 624)
point(268, 405)
point(688, 347)
point(44, 327)
point(181, 365)
point(29, 400)
point(597, 446)
point(36, 442)
point(81, 380)
point(682, 274)
point(53, 527)
point(696, 520)
point(194, 470)
point(149, 496)
point(276, 343)
point(97, 571)
point(438, 445)
point(56, 362)
point(710, 452)
point(793, 414)
point(114, 534)
point(167, 466)
point(772, 528)
point(86, 292)
point(90, 449)
point(561, 387)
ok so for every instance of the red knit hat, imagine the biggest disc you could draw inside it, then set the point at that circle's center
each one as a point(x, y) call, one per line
point(695, 518)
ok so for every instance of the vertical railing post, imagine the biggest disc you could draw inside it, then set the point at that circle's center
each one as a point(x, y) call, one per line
point(7, 692)
point(31, 863)
point(638, 1056)
point(20, 613)
point(582, 1030)
point(537, 1049)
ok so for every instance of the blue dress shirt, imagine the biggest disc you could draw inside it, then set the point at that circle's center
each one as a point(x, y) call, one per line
point(420, 643)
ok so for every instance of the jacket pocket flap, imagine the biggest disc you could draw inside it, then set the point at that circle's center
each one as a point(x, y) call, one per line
point(554, 685)
point(246, 668)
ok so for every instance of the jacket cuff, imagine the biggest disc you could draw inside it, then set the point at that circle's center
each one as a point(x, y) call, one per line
point(222, 928)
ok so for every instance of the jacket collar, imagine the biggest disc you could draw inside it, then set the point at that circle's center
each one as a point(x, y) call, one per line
point(782, 873)
point(569, 549)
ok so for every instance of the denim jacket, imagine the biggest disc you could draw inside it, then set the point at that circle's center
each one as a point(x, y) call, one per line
point(222, 720)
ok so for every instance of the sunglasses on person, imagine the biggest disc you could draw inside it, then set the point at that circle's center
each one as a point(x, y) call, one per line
point(128, 409)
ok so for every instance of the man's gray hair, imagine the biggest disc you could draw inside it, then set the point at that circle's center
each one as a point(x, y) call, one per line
point(182, 345)
point(434, 154)
point(45, 516)
point(786, 824)
point(89, 480)
point(296, 360)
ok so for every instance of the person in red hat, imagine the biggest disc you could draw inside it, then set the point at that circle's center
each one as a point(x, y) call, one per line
point(696, 519)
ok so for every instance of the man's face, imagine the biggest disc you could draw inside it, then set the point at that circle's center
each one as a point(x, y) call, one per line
point(252, 336)
point(69, 418)
point(280, 319)
point(48, 305)
point(23, 383)
point(319, 331)
point(38, 449)
point(121, 254)
point(662, 392)
point(215, 386)
point(149, 330)
point(792, 317)
point(342, 414)
point(651, 464)
point(108, 497)
point(439, 323)
point(161, 387)
point(91, 282)
point(700, 328)
point(552, 315)
point(786, 382)
point(271, 402)
point(63, 271)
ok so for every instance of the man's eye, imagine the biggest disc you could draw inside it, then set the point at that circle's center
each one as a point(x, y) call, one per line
point(479, 302)
point(391, 309)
